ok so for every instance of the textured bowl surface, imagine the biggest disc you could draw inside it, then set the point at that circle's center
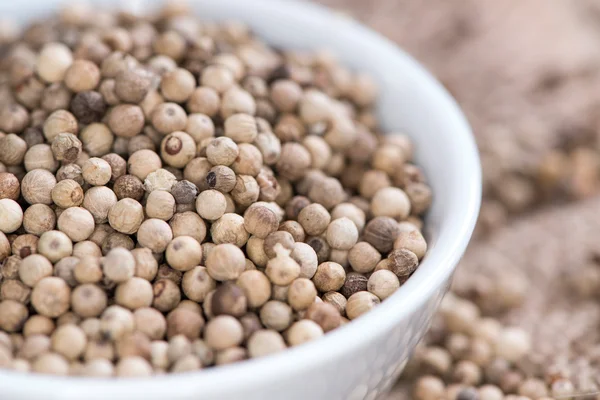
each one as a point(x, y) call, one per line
point(362, 359)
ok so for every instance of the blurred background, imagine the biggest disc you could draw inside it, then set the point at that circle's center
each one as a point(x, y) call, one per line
point(527, 75)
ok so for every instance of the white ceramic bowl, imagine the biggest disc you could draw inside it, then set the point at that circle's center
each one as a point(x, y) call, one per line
point(362, 359)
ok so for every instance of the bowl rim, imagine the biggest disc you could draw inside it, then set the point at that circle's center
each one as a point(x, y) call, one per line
point(434, 272)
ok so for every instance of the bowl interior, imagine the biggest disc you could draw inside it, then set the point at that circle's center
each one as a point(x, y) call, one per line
point(411, 101)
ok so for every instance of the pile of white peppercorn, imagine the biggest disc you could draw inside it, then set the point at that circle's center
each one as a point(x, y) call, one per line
point(470, 356)
point(176, 194)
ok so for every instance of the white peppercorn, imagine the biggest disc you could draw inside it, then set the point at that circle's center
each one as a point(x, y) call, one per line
point(303, 331)
point(159, 180)
point(217, 77)
point(306, 258)
point(98, 368)
point(337, 300)
point(82, 75)
point(134, 293)
point(276, 315)
point(229, 229)
point(126, 120)
point(403, 262)
point(342, 234)
point(67, 193)
point(96, 171)
point(88, 300)
point(231, 355)
point(33, 346)
point(133, 367)
point(143, 162)
point(37, 185)
point(222, 151)
point(381, 232)
point(245, 191)
point(53, 62)
point(51, 296)
point(155, 234)
point(77, 223)
point(97, 139)
point(98, 200)
point(223, 332)
point(260, 221)
point(413, 241)
point(383, 283)
point(14, 315)
point(264, 342)
point(166, 295)
point(160, 205)
point(314, 218)
point(256, 287)
point(169, 117)
point(183, 253)
point(11, 215)
point(34, 268)
point(40, 156)
point(55, 245)
point(177, 149)
point(10, 188)
point(282, 269)
point(69, 341)
point(359, 303)
point(512, 344)
point(126, 216)
point(132, 85)
point(225, 262)
point(50, 363)
point(329, 276)
point(177, 85)
point(390, 202)
point(115, 240)
point(12, 149)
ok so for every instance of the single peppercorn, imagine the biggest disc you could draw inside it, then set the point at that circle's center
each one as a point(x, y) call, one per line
point(88, 106)
point(221, 178)
point(354, 282)
point(169, 117)
point(51, 297)
point(359, 303)
point(403, 262)
point(88, 300)
point(14, 315)
point(225, 262)
point(55, 245)
point(132, 85)
point(11, 215)
point(178, 149)
point(39, 218)
point(303, 331)
point(184, 192)
point(229, 299)
point(329, 276)
point(37, 185)
point(183, 253)
point(381, 232)
point(160, 204)
point(126, 120)
point(320, 247)
point(128, 186)
point(10, 187)
point(97, 139)
point(118, 165)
